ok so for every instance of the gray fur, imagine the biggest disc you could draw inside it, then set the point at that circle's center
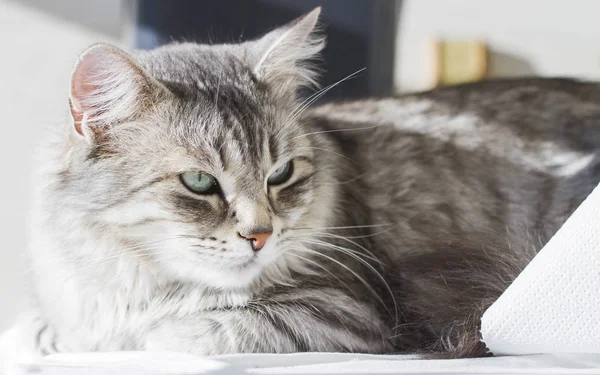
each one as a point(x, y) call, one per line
point(404, 218)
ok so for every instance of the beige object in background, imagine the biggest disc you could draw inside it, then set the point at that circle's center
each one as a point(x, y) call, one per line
point(457, 61)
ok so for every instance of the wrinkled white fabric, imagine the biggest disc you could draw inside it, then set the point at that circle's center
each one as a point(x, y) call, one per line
point(554, 304)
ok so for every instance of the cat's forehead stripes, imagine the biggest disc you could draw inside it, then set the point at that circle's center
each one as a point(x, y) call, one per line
point(243, 133)
point(231, 110)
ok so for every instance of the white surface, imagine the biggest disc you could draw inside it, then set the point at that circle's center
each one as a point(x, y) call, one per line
point(130, 363)
point(38, 52)
point(142, 363)
point(554, 304)
point(546, 37)
point(134, 363)
point(323, 363)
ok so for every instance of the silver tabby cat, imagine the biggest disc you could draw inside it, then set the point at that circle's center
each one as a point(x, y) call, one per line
point(195, 203)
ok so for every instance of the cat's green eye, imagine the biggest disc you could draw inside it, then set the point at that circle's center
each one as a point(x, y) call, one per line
point(281, 174)
point(199, 182)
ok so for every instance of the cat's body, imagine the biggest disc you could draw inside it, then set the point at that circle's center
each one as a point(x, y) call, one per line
point(401, 219)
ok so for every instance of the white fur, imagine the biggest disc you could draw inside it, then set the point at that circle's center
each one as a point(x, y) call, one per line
point(468, 131)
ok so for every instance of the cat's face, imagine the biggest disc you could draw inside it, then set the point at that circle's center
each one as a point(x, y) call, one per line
point(207, 179)
point(205, 169)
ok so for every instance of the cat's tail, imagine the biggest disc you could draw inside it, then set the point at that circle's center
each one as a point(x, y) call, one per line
point(444, 294)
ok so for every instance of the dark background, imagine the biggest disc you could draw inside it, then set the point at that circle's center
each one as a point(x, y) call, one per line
point(360, 33)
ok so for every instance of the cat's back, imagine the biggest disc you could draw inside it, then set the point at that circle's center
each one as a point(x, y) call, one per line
point(544, 125)
point(492, 112)
point(516, 154)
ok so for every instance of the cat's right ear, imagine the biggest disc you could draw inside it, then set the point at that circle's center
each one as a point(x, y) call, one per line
point(108, 87)
point(282, 56)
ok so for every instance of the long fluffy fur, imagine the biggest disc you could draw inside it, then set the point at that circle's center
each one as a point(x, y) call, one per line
point(403, 219)
point(443, 295)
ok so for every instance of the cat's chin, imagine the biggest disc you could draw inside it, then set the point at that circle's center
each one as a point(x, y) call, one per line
point(235, 277)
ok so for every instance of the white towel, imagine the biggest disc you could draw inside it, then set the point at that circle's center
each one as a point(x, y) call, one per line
point(554, 304)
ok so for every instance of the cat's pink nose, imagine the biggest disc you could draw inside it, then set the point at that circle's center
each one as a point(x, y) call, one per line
point(257, 240)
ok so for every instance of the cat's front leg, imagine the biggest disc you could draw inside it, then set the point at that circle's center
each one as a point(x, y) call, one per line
point(314, 320)
point(208, 333)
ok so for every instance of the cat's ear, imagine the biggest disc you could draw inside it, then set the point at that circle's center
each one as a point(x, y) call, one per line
point(108, 87)
point(282, 57)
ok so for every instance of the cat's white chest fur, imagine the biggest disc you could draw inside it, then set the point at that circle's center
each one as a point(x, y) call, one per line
point(111, 303)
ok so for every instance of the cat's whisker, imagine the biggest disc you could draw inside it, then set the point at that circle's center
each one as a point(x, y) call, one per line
point(299, 107)
point(120, 252)
point(307, 102)
point(312, 100)
point(321, 267)
point(361, 236)
point(314, 240)
point(160, 237)
point(353, 179)
point(358, 277)
point(337, 131)
point(92, 263)
point(357, 255)
point(345, 227)
point(327, 150)
point(317, 96)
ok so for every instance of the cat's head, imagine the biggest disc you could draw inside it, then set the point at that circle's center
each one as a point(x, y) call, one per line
point(194, 155)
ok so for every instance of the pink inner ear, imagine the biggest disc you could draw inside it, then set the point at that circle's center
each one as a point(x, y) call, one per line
point(107, 87)
point(77, 117)
point(82, 90)
point(77, 90)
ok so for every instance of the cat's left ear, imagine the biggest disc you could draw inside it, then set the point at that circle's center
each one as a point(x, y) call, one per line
point(282, 57)
point(107, 88)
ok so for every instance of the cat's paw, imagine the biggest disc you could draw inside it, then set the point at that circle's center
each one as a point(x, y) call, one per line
point(35, 336)
point(199, 336)
point(45, 339)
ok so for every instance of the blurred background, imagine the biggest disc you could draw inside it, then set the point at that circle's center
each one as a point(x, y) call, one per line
point(405, 45)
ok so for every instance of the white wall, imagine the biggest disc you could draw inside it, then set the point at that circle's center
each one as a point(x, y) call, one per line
point(544, 37)
point(37, 52)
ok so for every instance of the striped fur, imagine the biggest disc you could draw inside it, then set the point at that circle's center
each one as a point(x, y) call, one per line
point(403, 220)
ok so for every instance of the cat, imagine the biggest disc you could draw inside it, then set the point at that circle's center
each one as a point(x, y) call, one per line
point(197, 203)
